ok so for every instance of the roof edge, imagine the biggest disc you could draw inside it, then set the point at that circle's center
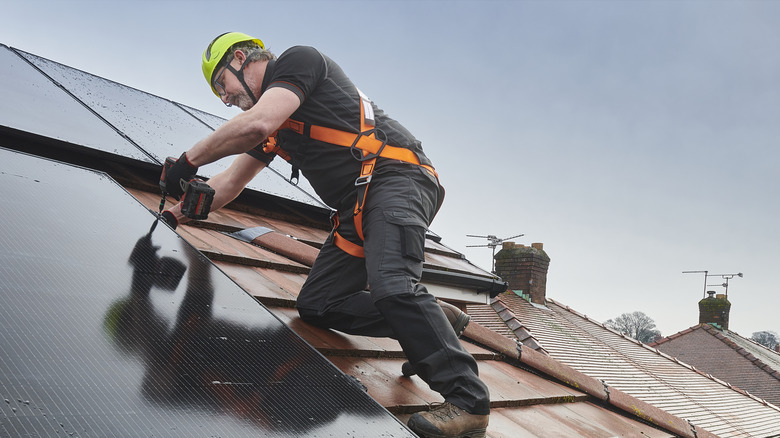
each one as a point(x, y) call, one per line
point(492, 286)
point(581, 382)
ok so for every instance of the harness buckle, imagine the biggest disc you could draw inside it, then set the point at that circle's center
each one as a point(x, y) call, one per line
point(360, 154)
point(363, 180)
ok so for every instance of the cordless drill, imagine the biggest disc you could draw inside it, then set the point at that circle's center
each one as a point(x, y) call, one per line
point(196, 201)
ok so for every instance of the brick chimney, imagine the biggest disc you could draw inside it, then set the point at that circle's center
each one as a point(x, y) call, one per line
point(715, 310)
point(524, 268)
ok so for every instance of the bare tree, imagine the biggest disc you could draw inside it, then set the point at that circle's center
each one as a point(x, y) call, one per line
point(768, 339)
point(636, 325)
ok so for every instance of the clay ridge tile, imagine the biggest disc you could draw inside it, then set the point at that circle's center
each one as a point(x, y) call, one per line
point(510, 319)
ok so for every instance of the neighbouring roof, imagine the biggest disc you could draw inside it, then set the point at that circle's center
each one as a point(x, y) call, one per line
point(728, 356)
point(639, 370)
point(65, 264)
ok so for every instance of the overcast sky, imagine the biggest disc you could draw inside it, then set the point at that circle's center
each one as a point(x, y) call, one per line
point(635, 139)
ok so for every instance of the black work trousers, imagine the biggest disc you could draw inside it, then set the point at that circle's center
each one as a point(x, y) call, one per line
point(380, 295)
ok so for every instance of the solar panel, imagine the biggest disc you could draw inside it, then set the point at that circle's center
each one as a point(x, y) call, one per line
point(113, 325)
point(156, 125)
point(30, 102)
point(159, 127)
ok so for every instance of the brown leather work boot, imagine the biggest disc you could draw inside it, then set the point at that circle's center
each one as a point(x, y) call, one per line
point(448, 421)
point(458, 320)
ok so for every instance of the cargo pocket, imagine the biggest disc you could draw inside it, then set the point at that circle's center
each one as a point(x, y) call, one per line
point(412, 233)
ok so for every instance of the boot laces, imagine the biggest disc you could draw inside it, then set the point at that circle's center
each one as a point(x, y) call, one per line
point(445, 411)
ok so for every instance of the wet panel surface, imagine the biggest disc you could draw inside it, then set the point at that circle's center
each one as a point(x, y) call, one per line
point(157, 125)
point(31, 102)
point(160, 127)
point(115, 327)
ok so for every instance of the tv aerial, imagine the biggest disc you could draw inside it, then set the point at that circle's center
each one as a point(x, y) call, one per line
point(493, 242)
point(725, 277)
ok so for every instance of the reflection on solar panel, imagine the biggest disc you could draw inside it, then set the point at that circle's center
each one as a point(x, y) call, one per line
point(114, 326)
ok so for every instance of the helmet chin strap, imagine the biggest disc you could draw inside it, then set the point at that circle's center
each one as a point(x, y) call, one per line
point(240, 75)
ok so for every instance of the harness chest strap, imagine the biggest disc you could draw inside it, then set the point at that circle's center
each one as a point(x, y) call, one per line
point(368, 144)
point(369, 147)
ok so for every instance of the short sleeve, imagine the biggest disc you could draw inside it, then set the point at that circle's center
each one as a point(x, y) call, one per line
point(299, 69)
point(258, 153)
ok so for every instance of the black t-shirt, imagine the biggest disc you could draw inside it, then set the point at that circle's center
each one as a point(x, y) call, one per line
point(330, 99)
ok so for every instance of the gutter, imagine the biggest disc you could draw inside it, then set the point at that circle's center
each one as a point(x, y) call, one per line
point(492, 286)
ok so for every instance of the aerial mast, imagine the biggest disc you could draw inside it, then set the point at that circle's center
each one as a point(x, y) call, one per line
point(725, 277)
point(493, 242)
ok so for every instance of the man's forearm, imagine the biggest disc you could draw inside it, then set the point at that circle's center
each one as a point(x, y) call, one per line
point(236, 136)
point(246, 130)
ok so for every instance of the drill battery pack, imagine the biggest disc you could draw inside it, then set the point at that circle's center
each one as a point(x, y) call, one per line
point(196, 202)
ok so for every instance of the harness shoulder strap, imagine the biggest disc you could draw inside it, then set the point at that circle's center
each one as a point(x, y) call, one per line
point(366, 148)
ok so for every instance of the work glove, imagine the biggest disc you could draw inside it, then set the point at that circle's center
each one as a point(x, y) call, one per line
point(169, 219)
point(180, 170)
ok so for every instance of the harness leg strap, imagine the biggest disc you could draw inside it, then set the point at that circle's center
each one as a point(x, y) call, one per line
point(342, 243)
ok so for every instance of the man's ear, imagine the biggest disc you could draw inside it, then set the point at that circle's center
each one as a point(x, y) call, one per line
point(239, 56)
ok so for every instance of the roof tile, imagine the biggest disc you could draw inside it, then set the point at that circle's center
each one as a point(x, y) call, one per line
point(642, 371)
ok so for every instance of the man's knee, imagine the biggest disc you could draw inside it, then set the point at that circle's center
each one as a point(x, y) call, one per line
point(335, 320)
point(312, 317)
point(326, 320)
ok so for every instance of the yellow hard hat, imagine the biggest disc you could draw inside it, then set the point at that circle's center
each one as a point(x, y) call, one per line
point(218, 49)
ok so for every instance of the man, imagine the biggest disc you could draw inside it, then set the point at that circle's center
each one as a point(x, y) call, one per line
point(369, 168)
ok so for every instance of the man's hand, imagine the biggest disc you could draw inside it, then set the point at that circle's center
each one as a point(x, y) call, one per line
point(169, 219)
point(181, 169)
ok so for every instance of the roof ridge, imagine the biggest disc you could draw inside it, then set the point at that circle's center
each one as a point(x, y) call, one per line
point(514, 324)
point(674, 336)
point(763, 347)
point(744, 352)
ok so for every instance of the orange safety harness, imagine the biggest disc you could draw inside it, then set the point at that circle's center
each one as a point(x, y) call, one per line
point(365, 147)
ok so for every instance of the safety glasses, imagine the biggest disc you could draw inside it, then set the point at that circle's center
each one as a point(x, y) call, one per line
point(218, 84)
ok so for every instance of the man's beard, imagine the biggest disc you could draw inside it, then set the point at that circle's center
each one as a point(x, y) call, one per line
point(243, 101)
